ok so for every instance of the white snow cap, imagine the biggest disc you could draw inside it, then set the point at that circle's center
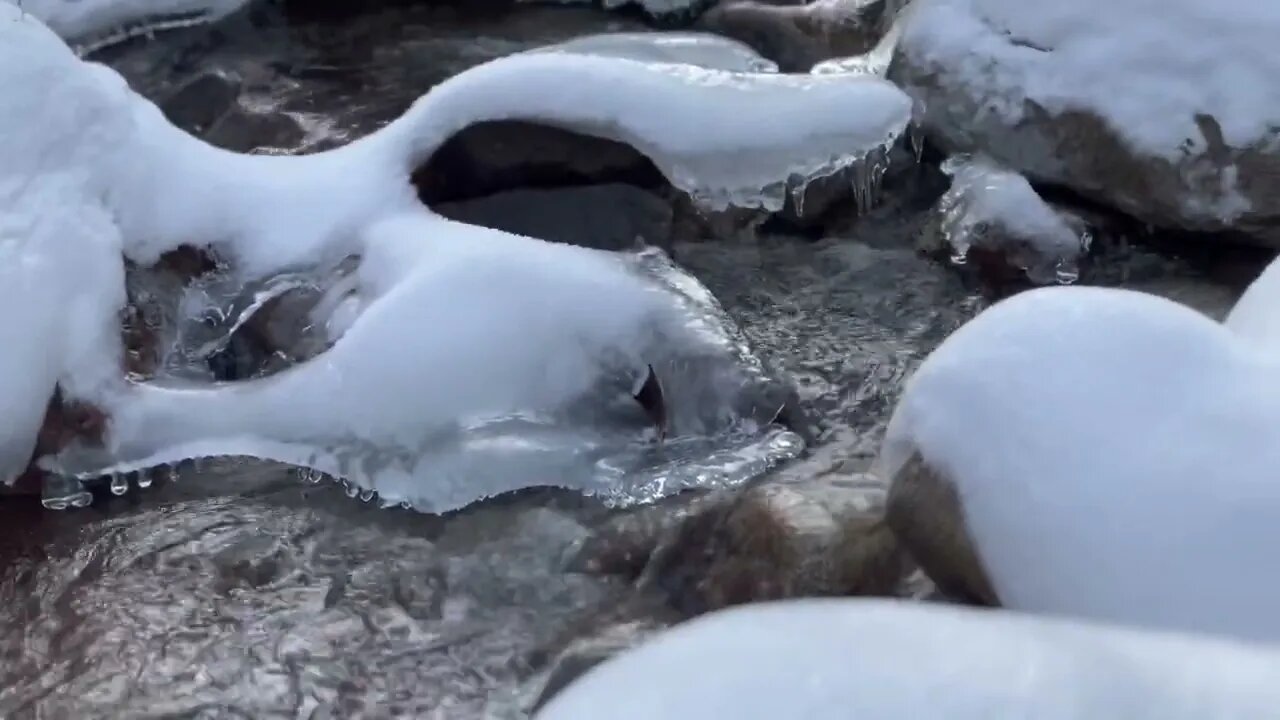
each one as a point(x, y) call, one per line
point(841, 659)
point(1148, 67)
point(1114, 454)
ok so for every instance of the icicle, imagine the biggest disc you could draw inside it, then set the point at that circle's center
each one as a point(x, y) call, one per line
point(119, 484)
point(59, 492)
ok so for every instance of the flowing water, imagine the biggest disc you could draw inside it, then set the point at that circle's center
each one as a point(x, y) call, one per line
point(240, 592)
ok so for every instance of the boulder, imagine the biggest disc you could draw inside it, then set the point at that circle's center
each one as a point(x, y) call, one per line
point(1125, 102)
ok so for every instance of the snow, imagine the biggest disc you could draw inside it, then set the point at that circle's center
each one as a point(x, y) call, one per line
point(991, 207)
point(1148, 67)
point(839, 659)
point(737, 140)
point(1254, 315)
point(742, 138)
point(61, 280)
point(446, 390)
point(1114, 454)
point(116, 19)
point(694, 48)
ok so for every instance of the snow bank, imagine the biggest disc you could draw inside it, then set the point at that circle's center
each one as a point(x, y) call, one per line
point(1147, 67)
point(94, 23)
point(1114, 454)
point(839, 659)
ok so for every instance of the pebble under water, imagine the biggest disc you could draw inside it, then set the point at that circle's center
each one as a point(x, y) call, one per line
point(234, 590)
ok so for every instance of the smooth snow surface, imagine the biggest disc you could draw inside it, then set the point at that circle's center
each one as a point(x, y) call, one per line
point(1148, 67)
point(1256, 315)
point(843, 659)
point(694, 48)
point(1114, 453)
point(103, 21)
point(991, 207)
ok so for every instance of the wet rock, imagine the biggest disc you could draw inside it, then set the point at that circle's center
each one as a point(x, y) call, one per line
point(925, 514)
point(799, 36)
point(819, 537)
point(1055, 132)
point(587, 652)
point(607, 217)
point(623, 545)
point(993, 216)
point(200, 102)
point(490, 157)
point(243, 130)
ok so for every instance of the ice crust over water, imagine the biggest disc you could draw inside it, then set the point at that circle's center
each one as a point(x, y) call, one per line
point(1114, 454)
point(92, 24)
point(85, 152)
point(990, 207)
point(840, 659)
point(706, 50)
point(446, 389)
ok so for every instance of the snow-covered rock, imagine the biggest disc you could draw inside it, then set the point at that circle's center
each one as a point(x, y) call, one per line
point(992, 211)
point(839, 659)
point(1110, 454)
point(1163, 109)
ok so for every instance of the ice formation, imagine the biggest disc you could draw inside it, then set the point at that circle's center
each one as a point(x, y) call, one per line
point(1147, 67)
point(84, 152)
point(839, 659)
point(694, 48)
point(480, 362)
point(992, 208)
point(1113, 452)
point(92, 24)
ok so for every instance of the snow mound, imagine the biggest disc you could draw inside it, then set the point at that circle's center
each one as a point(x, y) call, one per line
point(1113, 452)
point(1147, 67)
point(992, 208)
point(92, 24)
point(694, 48)
point(839, 659)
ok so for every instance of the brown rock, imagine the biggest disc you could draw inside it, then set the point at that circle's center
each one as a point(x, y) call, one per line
point(491, 157)
point(820, 537)
point(797, 37)
point(925, 514)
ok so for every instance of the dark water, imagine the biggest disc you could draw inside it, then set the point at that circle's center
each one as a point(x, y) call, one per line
point(239, 592)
